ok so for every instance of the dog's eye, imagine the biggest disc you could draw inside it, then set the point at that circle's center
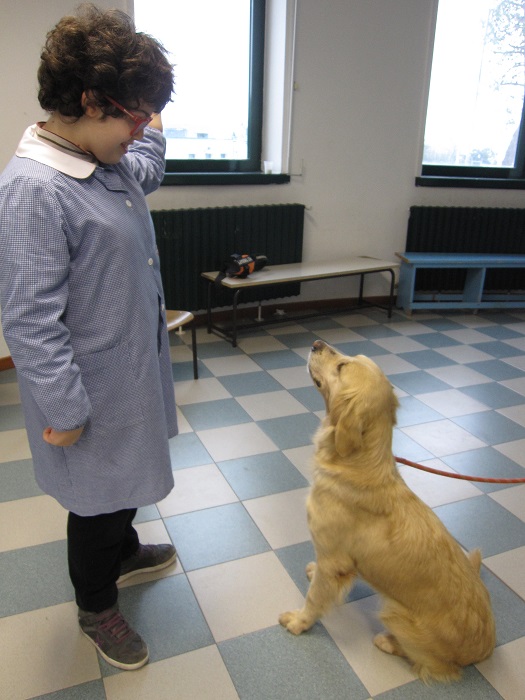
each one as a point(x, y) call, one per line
point(318, 383)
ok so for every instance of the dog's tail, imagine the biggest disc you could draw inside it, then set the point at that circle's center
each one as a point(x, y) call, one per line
point(475, 559)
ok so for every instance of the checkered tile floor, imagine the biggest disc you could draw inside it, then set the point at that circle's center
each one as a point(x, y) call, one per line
point(237, 518)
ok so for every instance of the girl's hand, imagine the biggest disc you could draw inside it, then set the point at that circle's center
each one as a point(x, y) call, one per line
point(61, 438)
point(156, 122)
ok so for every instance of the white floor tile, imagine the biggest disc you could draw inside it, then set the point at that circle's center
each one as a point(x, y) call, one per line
point(273, 404)
point(505, 670)
point(355, 320)
point(513, 499)
point(226, 366)
point(452, 402)
point(518, 361)
point(43, 651)
point(181, 353)
point(285, 329)
point(464, 353)
point(303, 459)
point(517, 385)
point(205, 389)
point(197, 488)
point(510, 568)
point(468, 336)
point(281, 517)
point(437, 490)
point(339, 335)
point(442, 437)
point(9, 394)
point(410, 328)
point(197, 675)
point(236, 441)
point(266, 343)
point(515, 413)
point(245, 595)
point(392, 364)
point(38, 520)
point(14, 445)
point(458, 375)
point(514, 450)
point(399, 344)
point(518, 343)
point(184, 426)
point(473, 320)
point(353, 627)
point(292, 377)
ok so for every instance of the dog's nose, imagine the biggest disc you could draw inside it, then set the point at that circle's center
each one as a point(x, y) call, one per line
point(318, 345)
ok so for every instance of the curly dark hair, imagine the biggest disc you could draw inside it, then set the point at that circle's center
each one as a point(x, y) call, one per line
point(100, 53)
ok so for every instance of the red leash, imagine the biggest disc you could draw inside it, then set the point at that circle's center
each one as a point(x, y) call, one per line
point(458, 476)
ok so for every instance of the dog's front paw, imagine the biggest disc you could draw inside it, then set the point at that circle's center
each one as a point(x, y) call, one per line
point(294, 622)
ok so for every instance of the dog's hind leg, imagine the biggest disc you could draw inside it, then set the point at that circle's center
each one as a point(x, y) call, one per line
point(416, 643)
point(327, 587)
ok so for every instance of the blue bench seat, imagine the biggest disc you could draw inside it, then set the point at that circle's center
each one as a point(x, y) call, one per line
point(473, 295)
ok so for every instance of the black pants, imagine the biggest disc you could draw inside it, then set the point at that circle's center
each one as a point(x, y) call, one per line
point(96, 545)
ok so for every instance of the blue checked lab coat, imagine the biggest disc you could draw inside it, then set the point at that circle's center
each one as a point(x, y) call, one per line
point(83, 316)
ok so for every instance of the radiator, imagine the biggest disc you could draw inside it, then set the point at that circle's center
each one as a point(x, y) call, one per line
point(191, 241)
point(466, 230)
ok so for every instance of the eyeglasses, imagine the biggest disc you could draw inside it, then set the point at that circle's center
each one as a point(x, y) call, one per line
point(140, 122)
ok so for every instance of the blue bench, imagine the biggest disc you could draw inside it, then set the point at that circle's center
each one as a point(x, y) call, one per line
point(473, 295)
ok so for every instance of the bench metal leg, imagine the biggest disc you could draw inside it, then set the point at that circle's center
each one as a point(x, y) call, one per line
point(194, 350)
point(392, 288)
point(209, 306)
point(234, 318)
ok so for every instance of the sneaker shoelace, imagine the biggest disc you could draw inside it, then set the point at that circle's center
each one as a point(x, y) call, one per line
point(117, 627)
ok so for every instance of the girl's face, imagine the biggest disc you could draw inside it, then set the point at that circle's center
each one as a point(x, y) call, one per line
point(108, 138)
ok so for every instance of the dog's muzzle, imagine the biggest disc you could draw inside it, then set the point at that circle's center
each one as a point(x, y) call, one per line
point(318, 345)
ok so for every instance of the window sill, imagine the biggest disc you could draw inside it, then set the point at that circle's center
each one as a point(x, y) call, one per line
point(224, 179)
point(472, 182)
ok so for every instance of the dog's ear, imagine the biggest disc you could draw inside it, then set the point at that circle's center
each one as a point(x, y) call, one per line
point(348, 427)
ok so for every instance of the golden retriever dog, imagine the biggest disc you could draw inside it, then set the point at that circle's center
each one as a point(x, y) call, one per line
point(366, 522)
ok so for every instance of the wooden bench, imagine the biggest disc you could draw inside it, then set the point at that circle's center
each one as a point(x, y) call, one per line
point(295, 272)
point(473, 295)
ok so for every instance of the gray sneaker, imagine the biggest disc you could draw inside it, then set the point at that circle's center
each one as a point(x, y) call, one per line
point(149, 557)
point(113, 638)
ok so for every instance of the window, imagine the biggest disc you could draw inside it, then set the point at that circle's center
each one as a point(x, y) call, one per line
point(215, 123)
point(474, 134)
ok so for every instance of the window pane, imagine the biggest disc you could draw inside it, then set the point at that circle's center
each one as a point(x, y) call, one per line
point(209, 43)
point(477, 84)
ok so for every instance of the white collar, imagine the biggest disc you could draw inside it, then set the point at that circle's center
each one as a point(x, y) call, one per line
point(50, 149)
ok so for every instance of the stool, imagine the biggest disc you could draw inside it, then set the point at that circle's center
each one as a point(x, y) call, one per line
point(177, 319)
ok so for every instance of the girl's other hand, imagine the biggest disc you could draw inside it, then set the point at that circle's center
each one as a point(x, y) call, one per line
point(61, 438)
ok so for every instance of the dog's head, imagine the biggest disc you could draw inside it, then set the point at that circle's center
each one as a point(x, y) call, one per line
point(360, 401)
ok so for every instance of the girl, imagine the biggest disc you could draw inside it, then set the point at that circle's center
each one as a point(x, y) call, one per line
point(83, 308)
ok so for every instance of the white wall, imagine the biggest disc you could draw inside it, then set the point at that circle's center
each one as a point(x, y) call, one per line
point(361, 73)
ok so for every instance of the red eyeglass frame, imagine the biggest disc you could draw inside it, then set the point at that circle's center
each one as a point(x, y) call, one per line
point(140, 122)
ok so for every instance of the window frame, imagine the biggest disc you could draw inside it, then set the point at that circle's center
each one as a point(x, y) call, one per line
point(489, 177)
point(247, 171)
